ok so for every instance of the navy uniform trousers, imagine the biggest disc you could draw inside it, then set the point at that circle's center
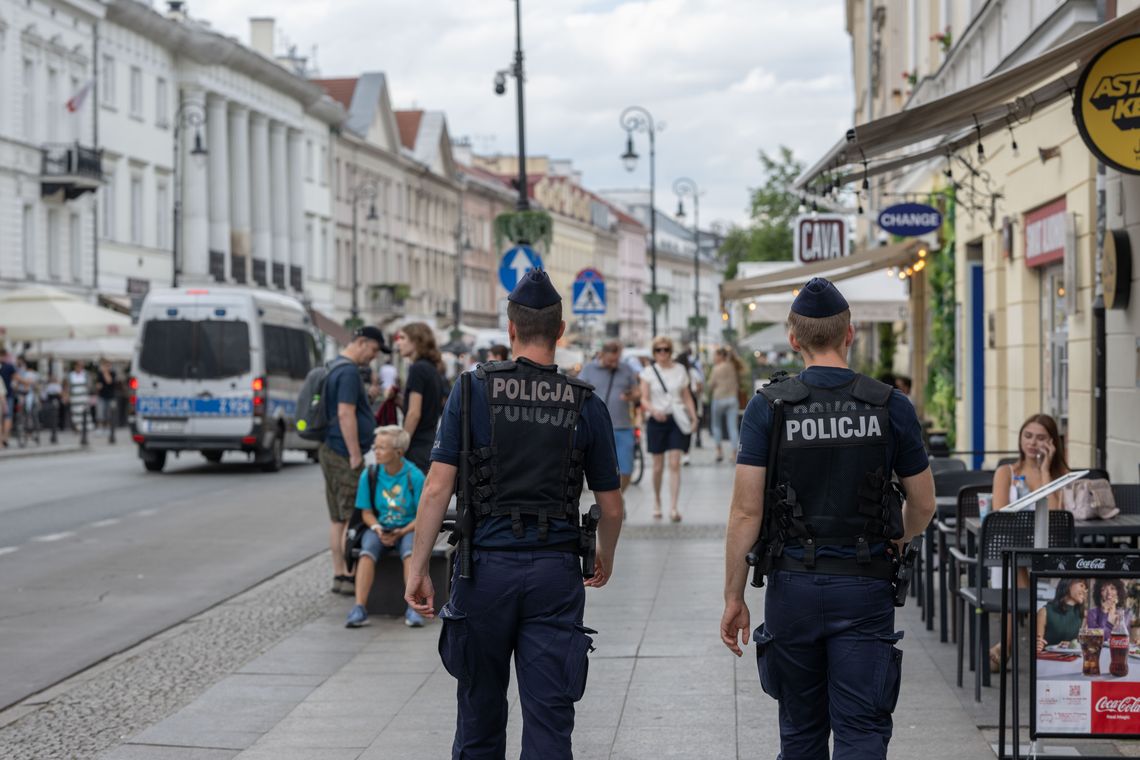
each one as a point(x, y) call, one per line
point(826, 651)
point(529, 604)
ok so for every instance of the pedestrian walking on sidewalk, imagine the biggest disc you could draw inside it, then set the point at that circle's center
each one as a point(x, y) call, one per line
point(617, 385)
point(533, 435)
point(350, 433)
point(105, 380)
point(724, 387)
point(425, 390)
point(670, 414)
point(78, 394)
point(827, 441)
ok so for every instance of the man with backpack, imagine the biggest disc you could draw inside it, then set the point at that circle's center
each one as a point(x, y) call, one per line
point(349, 427)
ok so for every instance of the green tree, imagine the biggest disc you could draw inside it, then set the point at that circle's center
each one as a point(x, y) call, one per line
point(768, 237)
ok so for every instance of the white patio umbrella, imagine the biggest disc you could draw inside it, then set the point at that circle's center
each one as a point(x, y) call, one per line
point(112, 348)
point(39, 312)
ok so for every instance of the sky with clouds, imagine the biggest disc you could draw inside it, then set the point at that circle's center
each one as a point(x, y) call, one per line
point(727, 77)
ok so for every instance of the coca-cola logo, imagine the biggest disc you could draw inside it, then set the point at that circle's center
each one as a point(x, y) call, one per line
point(1091, 564)
point(1123, 705)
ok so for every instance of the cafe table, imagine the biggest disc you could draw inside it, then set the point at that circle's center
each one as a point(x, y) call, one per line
point(1119, 526)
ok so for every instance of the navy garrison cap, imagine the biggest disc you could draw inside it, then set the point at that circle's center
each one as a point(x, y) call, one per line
point(818, 299)
point(535, 291)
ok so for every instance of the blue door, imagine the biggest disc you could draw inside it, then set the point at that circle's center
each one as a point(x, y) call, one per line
point(978, 363)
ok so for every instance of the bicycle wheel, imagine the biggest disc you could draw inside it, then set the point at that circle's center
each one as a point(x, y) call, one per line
point(638, 465)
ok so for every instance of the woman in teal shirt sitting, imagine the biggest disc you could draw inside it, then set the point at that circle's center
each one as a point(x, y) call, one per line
point(1060, 620)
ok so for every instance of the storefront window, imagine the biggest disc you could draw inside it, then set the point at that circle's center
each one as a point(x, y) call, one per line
point(1055, 345)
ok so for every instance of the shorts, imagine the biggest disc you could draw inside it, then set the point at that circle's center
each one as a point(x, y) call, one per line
point(370, 545)
point(623, 445)
point(665, 436)
point(341, 482)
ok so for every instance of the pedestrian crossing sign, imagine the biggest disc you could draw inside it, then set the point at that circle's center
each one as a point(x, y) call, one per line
point(589, 292)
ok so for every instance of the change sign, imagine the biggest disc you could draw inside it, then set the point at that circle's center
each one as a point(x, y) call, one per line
point(910, 219)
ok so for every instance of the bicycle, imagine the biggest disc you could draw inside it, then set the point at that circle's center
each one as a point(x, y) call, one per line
point(26, 424)
point(638, 458)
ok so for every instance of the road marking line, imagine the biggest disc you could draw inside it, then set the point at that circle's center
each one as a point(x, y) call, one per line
point(105, 523)
point(54, 536)
point(8, 550)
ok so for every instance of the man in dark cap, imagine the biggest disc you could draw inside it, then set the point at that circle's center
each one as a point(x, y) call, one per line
point(534, 435)
point(814, 467)
point(350, 433)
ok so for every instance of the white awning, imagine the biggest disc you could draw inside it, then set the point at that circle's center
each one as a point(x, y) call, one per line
point(992, 105)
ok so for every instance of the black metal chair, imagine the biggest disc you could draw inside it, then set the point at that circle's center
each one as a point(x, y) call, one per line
point(940, 464)
point(1004, 461)
point(951, 533)
point(945, 484)
point(1000, 532)
point(1127, 496)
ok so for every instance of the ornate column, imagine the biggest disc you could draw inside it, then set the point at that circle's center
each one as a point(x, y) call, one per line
point(297, 237)
point(219, 172)
point(194, 254)
point(260, 198)
point(279, 189)
point(239, 194)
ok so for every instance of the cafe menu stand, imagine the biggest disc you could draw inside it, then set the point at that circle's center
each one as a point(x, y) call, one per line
point(1089, 563)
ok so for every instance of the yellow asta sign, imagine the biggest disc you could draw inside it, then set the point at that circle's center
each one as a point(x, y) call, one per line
point(1107, 105)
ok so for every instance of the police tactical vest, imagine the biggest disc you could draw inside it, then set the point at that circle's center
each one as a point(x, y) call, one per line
point(832, 480)
point(531, 467)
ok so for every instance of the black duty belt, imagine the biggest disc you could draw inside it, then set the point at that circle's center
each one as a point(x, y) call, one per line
point(571, 547)
point(879, 568)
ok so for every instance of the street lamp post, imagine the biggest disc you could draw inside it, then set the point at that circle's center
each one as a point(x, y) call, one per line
point(682, 187)
point(191, 114)
point(366, 189)
point(516, 70)
point(637, 119)
point(461, 247)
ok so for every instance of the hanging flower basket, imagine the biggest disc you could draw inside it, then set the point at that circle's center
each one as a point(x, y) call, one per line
point(524, 227)
point(656, 300)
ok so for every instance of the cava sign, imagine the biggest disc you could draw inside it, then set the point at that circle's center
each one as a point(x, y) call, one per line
point(819, 237)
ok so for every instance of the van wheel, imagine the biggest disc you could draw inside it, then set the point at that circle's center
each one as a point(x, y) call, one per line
point(275, 454)
point(154, 461)
point(213, 457)
point(314, 456)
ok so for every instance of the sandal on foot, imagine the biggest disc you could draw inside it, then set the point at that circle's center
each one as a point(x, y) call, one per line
point(995, 662)
point(675, 516)
point(657, 514)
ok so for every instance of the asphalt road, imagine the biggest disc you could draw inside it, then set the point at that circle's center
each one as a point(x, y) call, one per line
point(97, 555)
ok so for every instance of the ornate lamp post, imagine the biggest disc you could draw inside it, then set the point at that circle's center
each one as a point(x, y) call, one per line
point(637, 119)
point(192, 115)
point(687, 187)
point(366, 189)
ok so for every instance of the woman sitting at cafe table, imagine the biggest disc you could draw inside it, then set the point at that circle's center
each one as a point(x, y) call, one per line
point(1059, 621)
point(1041, 459)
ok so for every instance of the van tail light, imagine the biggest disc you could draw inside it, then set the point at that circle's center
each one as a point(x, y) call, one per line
point(259, 393)
point(133, 384)
point(249, 440)
point(138, 438)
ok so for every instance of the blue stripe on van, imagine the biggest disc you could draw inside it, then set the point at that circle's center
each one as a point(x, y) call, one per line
point(185, 406)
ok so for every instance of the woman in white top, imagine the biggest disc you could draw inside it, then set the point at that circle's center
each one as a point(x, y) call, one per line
point(78, 394)
point(665, 397)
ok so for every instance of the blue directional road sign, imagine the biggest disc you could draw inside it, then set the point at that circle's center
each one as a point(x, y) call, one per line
point(515, 263)
point(589, 292)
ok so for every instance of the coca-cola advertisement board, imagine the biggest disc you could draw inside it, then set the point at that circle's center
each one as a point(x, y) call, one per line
point(1085, 675)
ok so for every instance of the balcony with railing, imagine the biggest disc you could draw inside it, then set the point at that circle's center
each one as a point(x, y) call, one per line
point(71, 169)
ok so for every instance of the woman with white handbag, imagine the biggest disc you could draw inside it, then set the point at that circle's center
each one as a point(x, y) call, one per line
point(670, 414)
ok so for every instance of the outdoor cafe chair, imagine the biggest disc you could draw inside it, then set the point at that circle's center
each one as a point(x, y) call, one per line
point(951, 533)
point(1000, 532)
point(1127, 496)
point(942, 464)
point(945, 484)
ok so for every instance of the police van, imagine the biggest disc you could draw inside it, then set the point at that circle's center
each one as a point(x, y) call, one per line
point(219, 369)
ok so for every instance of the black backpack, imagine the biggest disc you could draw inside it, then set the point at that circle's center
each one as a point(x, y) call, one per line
point(312, 416)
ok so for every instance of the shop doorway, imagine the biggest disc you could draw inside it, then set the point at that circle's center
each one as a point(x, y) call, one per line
point(976, 329)
point(1055, 346)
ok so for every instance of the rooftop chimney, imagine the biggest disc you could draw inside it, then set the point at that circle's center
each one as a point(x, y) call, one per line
point(176, 10)
point(261, 35)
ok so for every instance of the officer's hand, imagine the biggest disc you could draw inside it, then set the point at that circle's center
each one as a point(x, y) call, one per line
point(733, 624)
point(420, 595)
point(601, 573)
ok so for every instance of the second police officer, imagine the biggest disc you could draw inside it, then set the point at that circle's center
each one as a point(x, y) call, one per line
point(826, 649)
point(535, 434)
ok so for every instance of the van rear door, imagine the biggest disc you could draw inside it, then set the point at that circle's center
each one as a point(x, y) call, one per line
point(198, 362)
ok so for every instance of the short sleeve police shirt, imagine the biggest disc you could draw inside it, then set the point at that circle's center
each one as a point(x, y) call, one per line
point(594, 435)
point(906, 452)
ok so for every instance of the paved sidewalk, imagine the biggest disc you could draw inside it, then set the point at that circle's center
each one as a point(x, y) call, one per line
point(661, 684)
point(67, 442)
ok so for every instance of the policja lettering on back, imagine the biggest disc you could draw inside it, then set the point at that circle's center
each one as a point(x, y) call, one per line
point(529, 440)
point(830, 513)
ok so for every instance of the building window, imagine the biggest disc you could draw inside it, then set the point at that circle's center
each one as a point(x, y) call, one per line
point(136, 92)
point(75, 249)
point(74, 119)
point(54, 108)
point(160, 117)
point(324, 252)
point(162, 218)
point(29, 100)
point(323, 168)
point(29, 241)
point(308, 160)
point(311, 248)
point(53, 247)
point(107, 82)
point(136, 210)
point(107, 201)
point(1055, 369)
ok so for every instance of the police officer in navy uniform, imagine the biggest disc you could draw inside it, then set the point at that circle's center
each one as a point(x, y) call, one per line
point(535, 435)
point(826, 649)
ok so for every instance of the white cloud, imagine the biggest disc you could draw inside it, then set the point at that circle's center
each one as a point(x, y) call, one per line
point(728, 77)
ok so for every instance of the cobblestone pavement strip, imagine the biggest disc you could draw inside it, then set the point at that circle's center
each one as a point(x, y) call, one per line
point(100, 708)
